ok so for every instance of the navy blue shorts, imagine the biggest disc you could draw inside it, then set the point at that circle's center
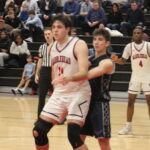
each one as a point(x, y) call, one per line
point(98, 121)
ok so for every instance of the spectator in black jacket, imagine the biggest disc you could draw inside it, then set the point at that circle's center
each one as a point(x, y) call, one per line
point(47, 9)
point(135, 17)
point(4, 47)
point(114, 17)
point(13, 20)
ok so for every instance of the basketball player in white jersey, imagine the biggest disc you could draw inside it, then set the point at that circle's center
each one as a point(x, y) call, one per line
point(70, 100)
point(139, 53)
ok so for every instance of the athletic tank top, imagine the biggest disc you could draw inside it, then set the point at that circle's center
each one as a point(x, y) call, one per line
point(64, 62)
point(140, 61)
point(100, 86)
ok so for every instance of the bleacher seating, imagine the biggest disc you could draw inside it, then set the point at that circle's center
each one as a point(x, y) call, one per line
point(120, 79)
point(12, 76)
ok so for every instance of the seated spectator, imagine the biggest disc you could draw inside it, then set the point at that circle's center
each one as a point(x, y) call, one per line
point(114, 17)
point(134, 18)
point(4, 27)
point(27, 2)
point(12, 20)
point(48, 8)
point(28, 72)
point(4, 47)
point(95, 17)
point(72, 9)
point(24, 13)
point(84, 9)
point(34, 25)
point(18, 52)
point(127, 5)
point(11, 7)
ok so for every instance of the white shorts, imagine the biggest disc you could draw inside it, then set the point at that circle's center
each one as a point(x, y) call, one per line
point(137, 87)
point(73, 106)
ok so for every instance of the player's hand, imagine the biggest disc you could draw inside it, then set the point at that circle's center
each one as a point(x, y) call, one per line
point(36, 79)
point(119, 61)
point(114, 58)
point(61, 80)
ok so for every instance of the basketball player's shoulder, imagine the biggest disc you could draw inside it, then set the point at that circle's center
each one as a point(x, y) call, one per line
point(81, 44)
point(129, 44)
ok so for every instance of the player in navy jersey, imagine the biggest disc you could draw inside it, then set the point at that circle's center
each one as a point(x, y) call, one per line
point(98, 119)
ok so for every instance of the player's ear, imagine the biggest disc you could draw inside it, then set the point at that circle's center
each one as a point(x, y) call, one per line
point(68, 29)
point(107, 43)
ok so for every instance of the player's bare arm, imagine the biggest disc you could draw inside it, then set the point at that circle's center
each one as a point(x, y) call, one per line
point(81, 52)
point(38, 68)
point(104, 67)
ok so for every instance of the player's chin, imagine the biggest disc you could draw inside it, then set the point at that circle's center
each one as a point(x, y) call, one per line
point(56, 37)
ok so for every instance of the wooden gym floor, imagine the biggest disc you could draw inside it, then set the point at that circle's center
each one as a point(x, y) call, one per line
point(18, 114)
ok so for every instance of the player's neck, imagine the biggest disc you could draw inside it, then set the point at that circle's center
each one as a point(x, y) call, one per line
point(101, 53)
point(139, 42)
point(64, 40)
point(50, 41)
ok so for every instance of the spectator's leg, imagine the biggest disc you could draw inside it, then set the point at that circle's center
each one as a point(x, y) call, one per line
point(86, 28)
point(124, 28)
point(109, 25)
point(3, 56)
point(115, 26)
point(93, 28)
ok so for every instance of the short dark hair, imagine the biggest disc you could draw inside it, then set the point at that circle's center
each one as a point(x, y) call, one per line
point(32, 12)
point(102, 32)
point(66, 20)
point(29, 56)
point(133, 1)
point(139, 27)
point(46, 28)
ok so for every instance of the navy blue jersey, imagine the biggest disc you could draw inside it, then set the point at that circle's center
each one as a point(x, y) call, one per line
point(100, 86)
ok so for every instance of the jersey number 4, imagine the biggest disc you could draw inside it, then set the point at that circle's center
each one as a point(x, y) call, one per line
point(140, 64)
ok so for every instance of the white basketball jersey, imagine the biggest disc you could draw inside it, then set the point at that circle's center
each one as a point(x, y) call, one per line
point(64, 62)
point(140, 61)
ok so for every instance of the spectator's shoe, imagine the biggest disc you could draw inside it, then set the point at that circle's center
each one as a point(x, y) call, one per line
point(21, 91)
point(14, 91)
point(126, 130)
